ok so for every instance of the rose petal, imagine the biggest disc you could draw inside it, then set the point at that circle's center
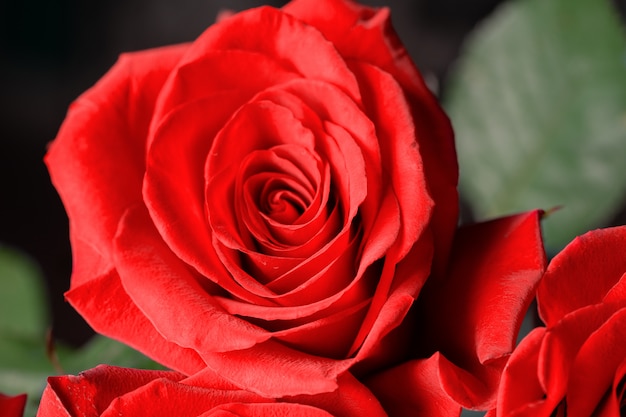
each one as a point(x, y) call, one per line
point(344, 135)
point(413, 389)
point(594, 368)
point(567, 284)
point(474, 315)
point(12, 406)
point(114, 314)
point(365, 34)
point(176, 202)
point(328, 272)
point(109, 391)
point(617, 293)
point(181, 138)
point(357, 291)
point(323, 110)
point(266, 410)
point(385, 104)
point(562, 343)
point(91, 392)
point(296, 45)
point(397, 290)
point(359, 32)
point(220, 71)
point(164, 397)
point(316, 278)
point(298, 175)
point(97, 159)
point(351, 399)
point(273, 370)
point(263, 125)
point(152, 274)
point(475, 389)
point(312, 336)
point(613, 403)
point(399, 152)
point(520, 389)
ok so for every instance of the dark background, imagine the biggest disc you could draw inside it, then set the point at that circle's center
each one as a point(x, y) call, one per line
point(52, 50)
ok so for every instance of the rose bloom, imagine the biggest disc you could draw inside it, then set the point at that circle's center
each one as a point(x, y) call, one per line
point(12, 406)
point(112, 391)
point(576, 364)
point(266, 201)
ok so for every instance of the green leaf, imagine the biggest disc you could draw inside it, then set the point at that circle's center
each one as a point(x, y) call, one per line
point(24, 362)
point(538, 102)
point(24, 366)
point(102, 350)
point(18, 376)
point(23, 305)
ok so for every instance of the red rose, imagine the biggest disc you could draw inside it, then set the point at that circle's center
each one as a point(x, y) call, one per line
point(470, 318)
point(576, 364)
point(111, 391)
point(267, 200)
point(12, 406)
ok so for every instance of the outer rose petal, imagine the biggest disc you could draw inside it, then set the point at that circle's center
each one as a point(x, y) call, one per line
point(12, 406)
point(589, 255)
point(273, 370)
point(115, 315)
point(474, 314)
point(361, 33)
point(414, 389)
point(299, 47)
point(350, 399)
point(90, 393)
point(109, 391)
point(97, 159)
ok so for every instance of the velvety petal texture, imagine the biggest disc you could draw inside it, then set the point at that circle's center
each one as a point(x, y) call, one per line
point(575, 365)
point(414, 389)
point(268, 203)
point(97, 161)
point(472, 315)
point(109, 391)
point(592, 262)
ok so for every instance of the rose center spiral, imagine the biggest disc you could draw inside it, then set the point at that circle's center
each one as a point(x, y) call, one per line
point(283, 206)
